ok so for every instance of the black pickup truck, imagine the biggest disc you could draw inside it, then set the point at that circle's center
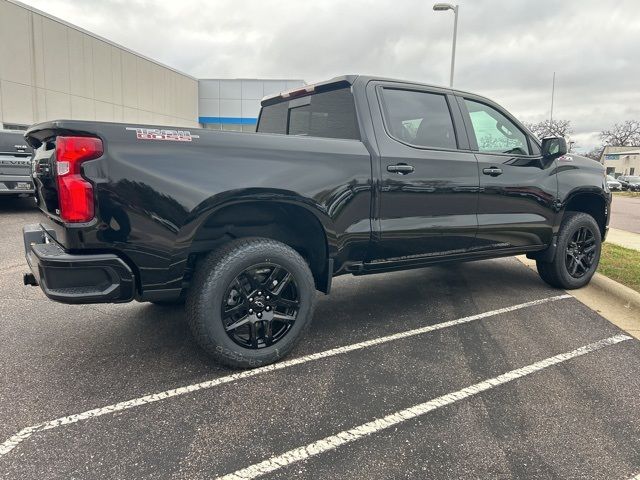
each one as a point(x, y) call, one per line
point(354, 175)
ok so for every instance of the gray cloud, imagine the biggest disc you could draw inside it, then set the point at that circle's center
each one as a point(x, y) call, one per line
point(507, 49)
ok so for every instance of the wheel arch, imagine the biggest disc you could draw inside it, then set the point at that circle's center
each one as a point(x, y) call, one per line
point(592, 201)
point(293, 221)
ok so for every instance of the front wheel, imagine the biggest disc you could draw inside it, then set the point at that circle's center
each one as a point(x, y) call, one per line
point(250, 301)
point(577, 255)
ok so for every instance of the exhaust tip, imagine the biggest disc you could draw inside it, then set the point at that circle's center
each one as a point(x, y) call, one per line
point(30, 279)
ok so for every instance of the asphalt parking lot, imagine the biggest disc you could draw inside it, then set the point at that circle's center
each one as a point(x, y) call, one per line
point(625, 213)
point(426, 353)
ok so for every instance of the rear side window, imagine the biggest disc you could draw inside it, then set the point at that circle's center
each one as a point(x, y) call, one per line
point(494, 132)
point(419, 118)
point(273, 119)
point(326, 114)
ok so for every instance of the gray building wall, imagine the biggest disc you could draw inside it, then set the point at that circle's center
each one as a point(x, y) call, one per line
point(50, 69)
point(235, 104)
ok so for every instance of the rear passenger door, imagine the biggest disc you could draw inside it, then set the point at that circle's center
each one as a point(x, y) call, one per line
point(428, 189)
point(518, 189)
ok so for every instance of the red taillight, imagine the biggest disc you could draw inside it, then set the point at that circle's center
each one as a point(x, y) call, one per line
point(75, 194)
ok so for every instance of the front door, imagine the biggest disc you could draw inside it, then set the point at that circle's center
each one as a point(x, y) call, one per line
point(517, 188)
point(428, 188)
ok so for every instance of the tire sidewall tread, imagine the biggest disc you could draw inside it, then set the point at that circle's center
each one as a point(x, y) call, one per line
point(555, 272)
point(210, 282)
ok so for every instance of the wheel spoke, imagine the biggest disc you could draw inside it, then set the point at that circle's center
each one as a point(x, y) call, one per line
point(268, 332)
point(283, 283)
point(234, 309)
point(272, 277)
point(281, 317)
point(581, 263)
point(253, 334)
point(283, 302)
point(237, 323)
point(238, 287)
point(254, 285)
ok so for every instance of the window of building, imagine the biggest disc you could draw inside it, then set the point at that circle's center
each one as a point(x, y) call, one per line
point(494, 132)
point(419, 118)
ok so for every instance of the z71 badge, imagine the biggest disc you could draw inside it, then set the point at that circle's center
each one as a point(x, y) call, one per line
point(157, 134)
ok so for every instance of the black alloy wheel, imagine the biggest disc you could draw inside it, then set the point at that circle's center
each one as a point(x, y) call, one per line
point(580, 252)
point(577, 254)
point(260, 306)
point(250, 301)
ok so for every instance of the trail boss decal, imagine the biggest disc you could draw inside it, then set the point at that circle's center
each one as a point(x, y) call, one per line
point(157, 134)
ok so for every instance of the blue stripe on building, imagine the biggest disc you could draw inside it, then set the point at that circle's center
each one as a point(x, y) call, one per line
point(229, 120)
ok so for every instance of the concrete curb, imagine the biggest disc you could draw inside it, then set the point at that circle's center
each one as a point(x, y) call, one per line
point(628, 296)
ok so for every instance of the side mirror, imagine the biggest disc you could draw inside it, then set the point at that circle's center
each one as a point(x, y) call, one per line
point(553, 147)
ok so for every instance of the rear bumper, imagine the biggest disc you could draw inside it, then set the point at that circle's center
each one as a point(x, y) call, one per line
point(13, 185)
point(72, 278)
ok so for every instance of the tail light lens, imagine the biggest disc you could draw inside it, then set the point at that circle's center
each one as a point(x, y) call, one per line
point(75, 194)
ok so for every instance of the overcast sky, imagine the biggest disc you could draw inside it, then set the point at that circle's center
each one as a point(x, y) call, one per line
point(507, 50)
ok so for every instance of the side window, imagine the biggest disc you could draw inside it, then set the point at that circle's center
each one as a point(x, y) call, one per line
point(419, 118)
point(273, 119)
point(329, 114)
point(494, 132)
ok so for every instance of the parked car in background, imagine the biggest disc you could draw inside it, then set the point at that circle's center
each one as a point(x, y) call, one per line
point(623, 183)
point(614, 185)
point(630, 182)
point(15, 164)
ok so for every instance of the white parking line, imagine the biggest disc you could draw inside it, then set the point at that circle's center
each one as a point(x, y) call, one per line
point(334, 441)
point(13, 441)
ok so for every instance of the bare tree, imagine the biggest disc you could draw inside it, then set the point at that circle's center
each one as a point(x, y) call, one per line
point(551, 128)
point(626, 134)
point(595, 153)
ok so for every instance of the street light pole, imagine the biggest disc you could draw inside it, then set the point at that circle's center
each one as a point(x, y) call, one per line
point(442, 7)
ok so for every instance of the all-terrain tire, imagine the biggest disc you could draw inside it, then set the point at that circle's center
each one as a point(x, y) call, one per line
point(212, 279)
point(556, 273)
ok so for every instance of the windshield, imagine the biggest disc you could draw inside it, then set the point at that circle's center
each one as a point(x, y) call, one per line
point(611, 179)
point(633, 179)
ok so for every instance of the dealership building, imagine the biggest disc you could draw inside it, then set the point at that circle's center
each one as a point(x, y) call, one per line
point(50, 69)
point(621, 160)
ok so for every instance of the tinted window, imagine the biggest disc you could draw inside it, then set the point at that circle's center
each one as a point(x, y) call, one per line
point(419, 118)
point(273, 119)
point(327, 114)
point(494, 132)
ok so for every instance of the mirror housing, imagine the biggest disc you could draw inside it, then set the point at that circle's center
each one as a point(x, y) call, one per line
point(553, 147)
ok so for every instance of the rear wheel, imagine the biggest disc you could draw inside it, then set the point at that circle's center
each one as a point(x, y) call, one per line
point(577, 255)
point(250, 302)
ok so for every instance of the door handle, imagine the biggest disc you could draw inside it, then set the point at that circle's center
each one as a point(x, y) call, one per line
point(493, 171)
point(400, 168)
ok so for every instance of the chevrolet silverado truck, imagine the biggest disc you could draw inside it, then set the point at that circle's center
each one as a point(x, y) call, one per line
point(357, 175)
point(15, 164)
